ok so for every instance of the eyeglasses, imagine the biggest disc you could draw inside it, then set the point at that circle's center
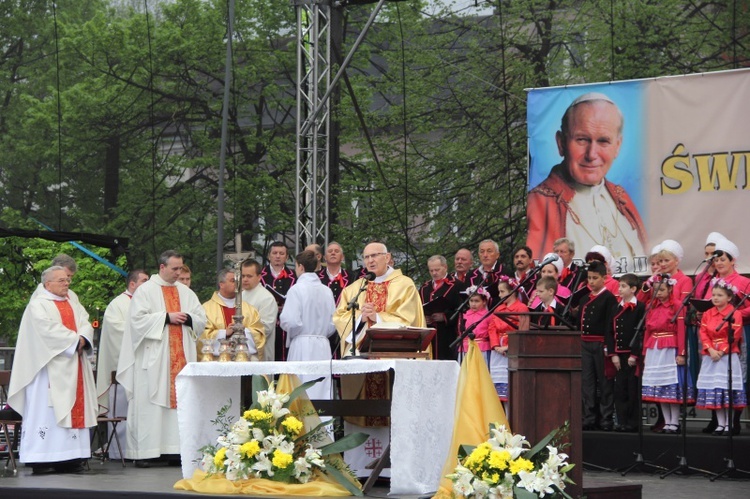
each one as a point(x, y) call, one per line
point(60, 281)
point(373, 256)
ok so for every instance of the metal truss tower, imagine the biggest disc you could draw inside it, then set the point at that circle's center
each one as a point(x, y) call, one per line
point(313, 121)
point(318, 28)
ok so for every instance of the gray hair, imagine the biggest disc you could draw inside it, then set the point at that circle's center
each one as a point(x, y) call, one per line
point(565, 240)
point(47, 273)
point(439, 258)
point(222, 275)
point(63, 260)
point(497, 247)
point(589, 98)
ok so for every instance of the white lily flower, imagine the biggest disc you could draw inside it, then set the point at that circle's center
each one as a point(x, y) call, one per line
point(263, 465)
point(481, 489)
point(258, 434)
point(313, 457)
point(463, 485)
point(240, 432)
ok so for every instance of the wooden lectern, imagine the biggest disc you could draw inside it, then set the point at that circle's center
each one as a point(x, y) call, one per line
point(544, 368)
point(400, 343)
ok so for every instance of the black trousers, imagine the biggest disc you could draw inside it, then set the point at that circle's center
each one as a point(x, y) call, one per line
point(626, 393)
point(596, 391)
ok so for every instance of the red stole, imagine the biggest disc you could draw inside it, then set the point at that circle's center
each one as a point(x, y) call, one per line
point(377, 294)
point(69, 321)
point(228, 316)
point(177, 358)
point(376, 385)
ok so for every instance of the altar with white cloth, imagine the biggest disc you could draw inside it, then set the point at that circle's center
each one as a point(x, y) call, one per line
point(422, 409)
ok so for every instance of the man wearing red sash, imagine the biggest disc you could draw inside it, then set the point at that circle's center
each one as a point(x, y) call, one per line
point(165, 319)
point(52, 384)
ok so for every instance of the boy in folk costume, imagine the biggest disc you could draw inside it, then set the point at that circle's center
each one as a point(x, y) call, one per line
point(499, 331)
point(713, 386)
point(627, 317)
point(546, 289)
point(595, 312)
point(664, 348)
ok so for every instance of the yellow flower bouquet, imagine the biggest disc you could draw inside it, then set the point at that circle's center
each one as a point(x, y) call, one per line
point(269, 442)
point(504, 467)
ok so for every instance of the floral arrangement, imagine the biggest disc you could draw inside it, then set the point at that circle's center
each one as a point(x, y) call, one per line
point(505, 467)
point(269, 442)
point(721, 283)
point(476, 290)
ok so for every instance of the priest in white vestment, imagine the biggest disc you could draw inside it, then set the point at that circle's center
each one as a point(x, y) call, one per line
point(52, 383)
point(70, 266)
point(114, 401)
point(220, 311)
point(165, 320)
point(255, 294)
point(307, 319)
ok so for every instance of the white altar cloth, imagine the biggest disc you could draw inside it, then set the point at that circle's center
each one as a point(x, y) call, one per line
point(422, 410)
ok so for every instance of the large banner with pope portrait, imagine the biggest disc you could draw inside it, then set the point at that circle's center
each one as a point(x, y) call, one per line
point(629, 164)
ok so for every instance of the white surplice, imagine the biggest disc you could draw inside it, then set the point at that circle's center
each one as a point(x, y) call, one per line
point(113, 328)
point(264, 302)
point(143, 368)
point(308, 320)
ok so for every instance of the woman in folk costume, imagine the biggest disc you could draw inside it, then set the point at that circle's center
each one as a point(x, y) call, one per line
point(499, 331)
point(669, 257)
point(703, 278)
point(478, 300)
point(603, 255)
point(713, 386)
point(552, 270)
point(664, 352)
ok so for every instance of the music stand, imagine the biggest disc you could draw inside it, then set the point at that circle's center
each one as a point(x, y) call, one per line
point(398, 343)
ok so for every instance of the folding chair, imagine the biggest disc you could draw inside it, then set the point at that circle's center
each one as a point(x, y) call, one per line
point(9, 419)
point(109, 417)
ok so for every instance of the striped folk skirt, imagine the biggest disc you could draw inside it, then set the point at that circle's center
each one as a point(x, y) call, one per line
point(713, 386)
point(663, 379)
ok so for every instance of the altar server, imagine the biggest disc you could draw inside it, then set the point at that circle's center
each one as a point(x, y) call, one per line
point(307, 320)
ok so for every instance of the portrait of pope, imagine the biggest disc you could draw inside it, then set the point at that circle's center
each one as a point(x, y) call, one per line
point(576, 200)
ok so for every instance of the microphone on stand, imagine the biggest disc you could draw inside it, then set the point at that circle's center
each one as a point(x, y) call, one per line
point(710, 259)
point(548, 260)
point(370, 276)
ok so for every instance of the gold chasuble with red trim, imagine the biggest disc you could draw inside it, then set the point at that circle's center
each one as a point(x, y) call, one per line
point(69, 321)
point(177, 358)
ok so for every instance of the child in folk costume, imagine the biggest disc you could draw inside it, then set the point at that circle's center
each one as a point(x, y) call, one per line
point(546, 301)
point(499, 331)
point(562, 294)
point(595, 315)
point(664, 350)
point(627, 318)
point(713, 386)
point(478, 300)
